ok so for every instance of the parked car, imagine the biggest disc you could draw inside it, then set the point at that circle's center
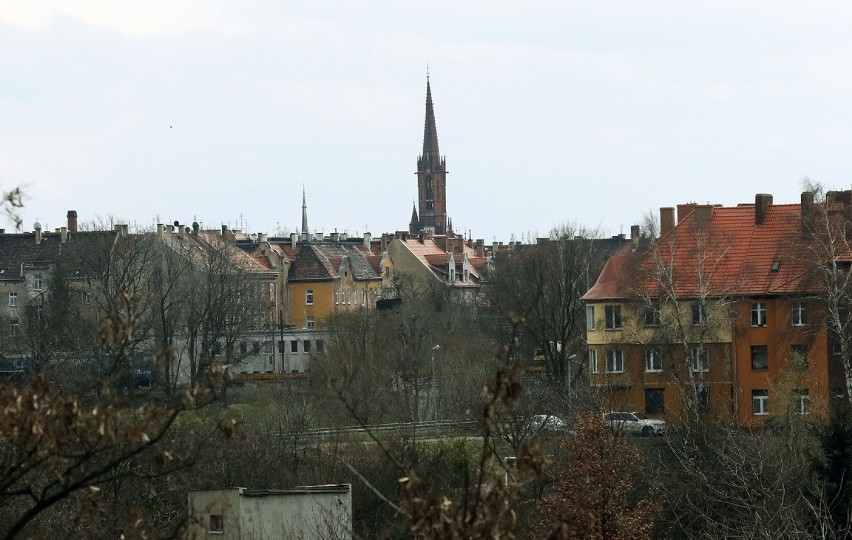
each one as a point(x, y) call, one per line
point(547, 422)
point(634, 423)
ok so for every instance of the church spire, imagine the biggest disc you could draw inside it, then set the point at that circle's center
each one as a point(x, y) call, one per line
point(431, 175)
point(430, 131)
point(304, 213)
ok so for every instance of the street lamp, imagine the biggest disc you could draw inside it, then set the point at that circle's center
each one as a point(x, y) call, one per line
point(435, 390)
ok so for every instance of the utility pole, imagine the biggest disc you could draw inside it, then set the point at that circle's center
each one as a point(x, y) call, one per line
point(435, 390)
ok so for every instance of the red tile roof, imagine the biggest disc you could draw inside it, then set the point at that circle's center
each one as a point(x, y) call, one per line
point(727, 255)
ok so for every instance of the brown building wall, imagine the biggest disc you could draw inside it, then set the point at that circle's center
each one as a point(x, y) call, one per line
point(782, 375)
point(627, 391)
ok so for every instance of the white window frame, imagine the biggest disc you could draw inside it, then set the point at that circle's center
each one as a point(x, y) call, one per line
point(801, 401)
point(614, 361)
point(590, 318)
point(593, 360)
point(699, 355)
point(798, 313)
point(38, 283)
point(766, 358)
point(309, 322)
point(760, 402)
point(699, 314)
point(652, 317)
point(309, 297)
point(653, 356)
point(613, 317)
point(758, 314)
point(13, 299)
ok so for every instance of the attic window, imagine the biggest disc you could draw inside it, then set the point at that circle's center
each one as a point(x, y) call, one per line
point(776, 265)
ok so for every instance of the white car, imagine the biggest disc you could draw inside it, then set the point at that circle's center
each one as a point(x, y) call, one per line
point(634, 423)
point(547, 422)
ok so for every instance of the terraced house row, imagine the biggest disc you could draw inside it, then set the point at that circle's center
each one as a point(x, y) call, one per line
point(274, 295)
point(737, 312)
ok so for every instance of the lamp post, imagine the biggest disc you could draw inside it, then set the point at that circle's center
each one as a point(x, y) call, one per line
point(435, 390)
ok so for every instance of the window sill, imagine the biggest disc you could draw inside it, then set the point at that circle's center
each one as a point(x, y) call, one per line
point(760, 414)
point(653, 371)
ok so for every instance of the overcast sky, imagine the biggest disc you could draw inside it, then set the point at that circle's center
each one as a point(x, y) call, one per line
point(548, 112)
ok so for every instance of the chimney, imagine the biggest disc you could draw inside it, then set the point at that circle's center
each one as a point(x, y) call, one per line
point(224, 230)
point(703, 214)
point(479, 247)
point(72, 221)
point(195, 227)
point(667, 220)
point(494, 248)
point(180, 229)
point(63, 234)
point(37, 228)
point(762, 202)
point(261, 237)
point(634, 236)
point(293, 239)
point(368, 239)
point(160, 230)
point(124, 229)
point(684, 210)
point(807, 210)
point(335, 236)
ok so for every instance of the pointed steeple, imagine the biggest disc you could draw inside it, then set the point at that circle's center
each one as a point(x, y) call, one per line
point(414, 224)
point(431, 175)
point(304, 213)
point(430, 131)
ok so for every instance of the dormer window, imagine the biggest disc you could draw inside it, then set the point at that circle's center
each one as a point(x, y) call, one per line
point(38, 283)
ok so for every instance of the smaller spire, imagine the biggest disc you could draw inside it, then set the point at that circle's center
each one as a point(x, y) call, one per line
point(304, 212)
point(414, 225)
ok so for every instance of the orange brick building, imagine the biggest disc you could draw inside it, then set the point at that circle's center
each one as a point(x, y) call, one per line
point(721, 312)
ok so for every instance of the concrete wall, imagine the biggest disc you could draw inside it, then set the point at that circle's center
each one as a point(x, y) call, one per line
point(313, 512)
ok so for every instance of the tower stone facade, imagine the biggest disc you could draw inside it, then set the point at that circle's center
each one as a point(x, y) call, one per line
point(431, 178)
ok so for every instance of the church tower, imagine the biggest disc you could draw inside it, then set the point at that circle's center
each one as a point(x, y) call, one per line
point(431, 176)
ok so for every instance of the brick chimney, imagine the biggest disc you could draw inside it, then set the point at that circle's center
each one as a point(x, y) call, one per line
point(667, 220)
point(807, 210)
point(634, 237)
point(72, 221)
point(684, 210)
point(479, 247)
point(762, 202)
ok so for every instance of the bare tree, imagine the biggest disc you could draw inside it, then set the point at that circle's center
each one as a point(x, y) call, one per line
point(685, 305)
point(540, 286)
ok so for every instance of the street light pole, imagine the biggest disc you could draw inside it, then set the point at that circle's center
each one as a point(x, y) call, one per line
point(435, 391)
